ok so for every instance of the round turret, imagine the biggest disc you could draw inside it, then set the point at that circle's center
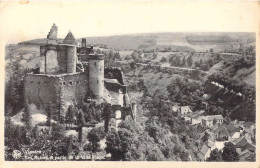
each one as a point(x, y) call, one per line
point(96, 75)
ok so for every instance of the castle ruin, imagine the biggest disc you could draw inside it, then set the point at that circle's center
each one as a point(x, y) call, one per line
point(71, 74)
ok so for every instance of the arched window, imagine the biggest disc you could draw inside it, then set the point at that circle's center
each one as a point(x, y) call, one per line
point(97, 81)
point(95, 63)
point(70, 82)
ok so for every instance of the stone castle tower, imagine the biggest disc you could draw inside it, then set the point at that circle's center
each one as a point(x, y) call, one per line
point(96, 74)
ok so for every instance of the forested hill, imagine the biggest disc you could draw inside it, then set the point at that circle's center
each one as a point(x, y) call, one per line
point(190, 41)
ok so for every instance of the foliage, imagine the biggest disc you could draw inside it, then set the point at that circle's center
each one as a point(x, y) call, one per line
point(215, 156)
point(229, 153)
point(26, 116)
point(70, 116)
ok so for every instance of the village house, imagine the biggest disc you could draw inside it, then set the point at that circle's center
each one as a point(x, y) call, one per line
point(209, 121)
point(184, 110)
point(204, 153)
point(195, 118)
point(175, 108)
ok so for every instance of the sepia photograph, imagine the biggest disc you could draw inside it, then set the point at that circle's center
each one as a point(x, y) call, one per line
point(129, 81)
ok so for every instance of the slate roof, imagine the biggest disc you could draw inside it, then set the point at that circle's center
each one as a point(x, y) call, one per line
point(221, 129)
point(69, 39)
point(196, 114)
point(212, 117)
point(231, 128)
point(204, 149)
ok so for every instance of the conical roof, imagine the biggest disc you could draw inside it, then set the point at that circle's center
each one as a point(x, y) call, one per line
point(69, 39)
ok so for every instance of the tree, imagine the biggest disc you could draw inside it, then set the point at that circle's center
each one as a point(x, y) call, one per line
point(98, 51)
point(163, 59)
point(94, 136)
point(119, 144)
point(154, 55)
point(117, 56)
point(189, 61)
point(133, 67)
point(49, 112)
point(215, 156)
point(26, 116)
point(70, 116)
point(57, 131)
point(107, 112)
point(81, 123)
point(14, 94)
point(229, 153)
point(184, 61)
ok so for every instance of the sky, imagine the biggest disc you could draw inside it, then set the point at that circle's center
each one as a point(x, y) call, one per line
point(27, 20)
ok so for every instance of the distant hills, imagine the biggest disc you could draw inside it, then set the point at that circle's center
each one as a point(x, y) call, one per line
point(192, 41)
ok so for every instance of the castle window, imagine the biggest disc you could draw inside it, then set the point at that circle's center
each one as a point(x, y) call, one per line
point(39, 83)
point(97, 81)
point(95, 64)
point(77, 82)
point(70, 82)
point(45, 83)
point(100, 69)
point(31, 81)
point(64, 83)
point(85, 81)
point(60, 83)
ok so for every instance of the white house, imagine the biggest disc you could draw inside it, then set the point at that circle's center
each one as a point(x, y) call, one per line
point(184, 110)
point(208, 121)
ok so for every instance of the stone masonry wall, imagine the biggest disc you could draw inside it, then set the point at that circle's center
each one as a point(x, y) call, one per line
point(42, 89)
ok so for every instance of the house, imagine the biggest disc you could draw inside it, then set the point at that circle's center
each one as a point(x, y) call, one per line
point(204, 153)
point(233, 130)
point(221, 133)
point(242, 145)
point(246, 155)
point(249, 127)
point(184, 110)
point(194, 118)
point(175, 108)
point(208, 135)
point(209, 121)
point(197, 117)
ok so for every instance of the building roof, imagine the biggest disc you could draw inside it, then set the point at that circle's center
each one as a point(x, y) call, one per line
point(210, 143)
point(185, 108)
point(231, 128)
point(248, 124)
point(69, 39)
point(238, 140)
point(212, 117)
point(204, 149)
point(196, 114)
point(175, 108)
point(221, 129)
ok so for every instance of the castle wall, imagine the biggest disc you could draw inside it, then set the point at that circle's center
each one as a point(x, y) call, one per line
point(64, 55)
point(42, 89)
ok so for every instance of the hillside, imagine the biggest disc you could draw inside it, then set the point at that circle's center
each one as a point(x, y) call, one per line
point(191, 41)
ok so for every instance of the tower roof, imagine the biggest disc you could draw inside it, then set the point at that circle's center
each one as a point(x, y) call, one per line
point(69, 39)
